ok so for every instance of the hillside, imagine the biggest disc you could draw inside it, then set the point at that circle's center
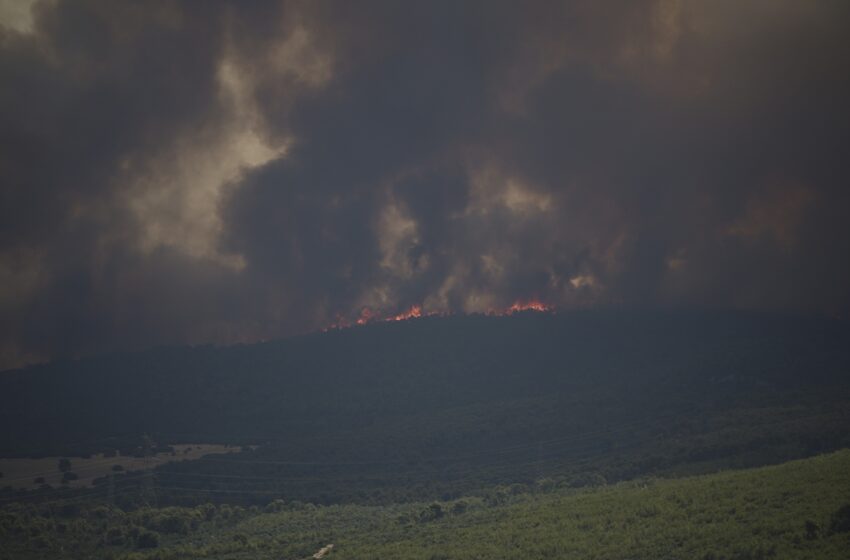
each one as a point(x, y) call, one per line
point(440, 407)
point(796, 510)
point(354, 377)
point(454, 437)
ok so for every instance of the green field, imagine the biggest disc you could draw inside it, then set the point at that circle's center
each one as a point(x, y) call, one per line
point(799, 509)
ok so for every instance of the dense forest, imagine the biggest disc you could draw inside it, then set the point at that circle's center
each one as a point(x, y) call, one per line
point(439, 406)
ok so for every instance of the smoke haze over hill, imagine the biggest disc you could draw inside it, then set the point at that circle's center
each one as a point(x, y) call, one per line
point(184, 173)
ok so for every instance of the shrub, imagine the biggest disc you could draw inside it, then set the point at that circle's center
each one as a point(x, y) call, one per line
point(147, 539)
point(544, 485)
point(275, 506)
point(206, 511)
point(433, 511)
point(115, 537)
point(496, 497)
point(99, 512)
point(840, 522)
point(516, 489)
point(812, 530)
point(459, 507)
point(587, 479)
point(173, 523)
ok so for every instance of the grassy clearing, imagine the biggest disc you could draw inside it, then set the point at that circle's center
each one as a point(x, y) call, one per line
point(22, 472)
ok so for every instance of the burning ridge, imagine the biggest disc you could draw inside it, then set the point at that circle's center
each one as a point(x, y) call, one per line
point(369, 316)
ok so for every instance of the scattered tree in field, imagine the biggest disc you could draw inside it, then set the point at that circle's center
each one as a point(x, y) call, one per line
point(64, 465)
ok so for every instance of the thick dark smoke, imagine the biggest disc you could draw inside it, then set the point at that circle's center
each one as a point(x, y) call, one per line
point(187, 173)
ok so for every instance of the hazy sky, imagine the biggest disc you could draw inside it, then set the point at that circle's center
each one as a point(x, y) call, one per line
point(189, 172)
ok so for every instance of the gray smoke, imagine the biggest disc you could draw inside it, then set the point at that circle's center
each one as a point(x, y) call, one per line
point(179, 173)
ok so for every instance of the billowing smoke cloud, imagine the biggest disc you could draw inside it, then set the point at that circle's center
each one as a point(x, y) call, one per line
point(171, 173)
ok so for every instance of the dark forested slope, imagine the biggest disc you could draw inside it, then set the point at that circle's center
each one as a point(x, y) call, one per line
point(538, 391)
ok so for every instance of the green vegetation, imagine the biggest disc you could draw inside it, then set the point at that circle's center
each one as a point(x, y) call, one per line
point(443, 407)
point(466, 437)
point(799, 509)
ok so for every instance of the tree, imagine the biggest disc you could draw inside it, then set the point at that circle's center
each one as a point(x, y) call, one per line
point(432, 512)
point(840, 522)
point(812, 530)
point(147, 539)
point(459, 507)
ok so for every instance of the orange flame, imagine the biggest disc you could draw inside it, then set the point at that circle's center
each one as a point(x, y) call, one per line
point(367, 315)
point(532, 305)
point(340, 323)
point(414, 312)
